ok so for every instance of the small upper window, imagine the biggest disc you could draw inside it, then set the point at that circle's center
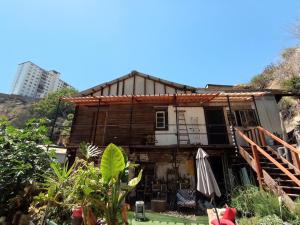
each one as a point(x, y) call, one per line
point(161, 120)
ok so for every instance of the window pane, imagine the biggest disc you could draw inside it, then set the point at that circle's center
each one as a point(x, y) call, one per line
point(160, 119)
point(238, 118)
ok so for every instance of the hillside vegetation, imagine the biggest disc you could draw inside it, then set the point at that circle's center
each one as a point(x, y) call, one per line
point(284, 74)
point(19, 109)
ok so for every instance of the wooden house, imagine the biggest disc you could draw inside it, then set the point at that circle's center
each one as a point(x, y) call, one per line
point(161, 124)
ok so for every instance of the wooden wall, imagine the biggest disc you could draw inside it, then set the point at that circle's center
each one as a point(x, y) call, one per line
point(138, 85)
point(113, 124)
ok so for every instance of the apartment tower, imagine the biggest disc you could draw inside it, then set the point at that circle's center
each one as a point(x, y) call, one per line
point(33, 81)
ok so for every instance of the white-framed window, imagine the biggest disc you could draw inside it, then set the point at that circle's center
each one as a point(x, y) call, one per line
point(161, 120)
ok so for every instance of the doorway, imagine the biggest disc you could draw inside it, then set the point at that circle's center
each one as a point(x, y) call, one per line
point(216, 126)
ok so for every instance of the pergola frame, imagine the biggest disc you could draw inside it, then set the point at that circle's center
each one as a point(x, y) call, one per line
point(172, 99)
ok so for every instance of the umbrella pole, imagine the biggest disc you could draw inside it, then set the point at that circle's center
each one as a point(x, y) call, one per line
point(214, 205)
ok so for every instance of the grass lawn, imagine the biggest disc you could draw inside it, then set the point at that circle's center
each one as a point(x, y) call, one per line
point(157, 218)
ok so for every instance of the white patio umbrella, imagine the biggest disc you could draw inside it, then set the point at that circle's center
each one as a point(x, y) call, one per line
point(206, 181)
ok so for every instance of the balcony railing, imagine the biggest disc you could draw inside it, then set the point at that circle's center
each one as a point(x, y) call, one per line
point(143, 134)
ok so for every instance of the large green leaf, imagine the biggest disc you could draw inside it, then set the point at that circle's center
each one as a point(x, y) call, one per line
point(133, 182)
point(112, 162)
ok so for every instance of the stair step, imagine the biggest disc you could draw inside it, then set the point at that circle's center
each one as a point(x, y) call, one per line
point(270, 164)
point(291, 190)
point(294, 196)
point(263, 159)
point(283, 182)
point(282, 176)
point(275, 169)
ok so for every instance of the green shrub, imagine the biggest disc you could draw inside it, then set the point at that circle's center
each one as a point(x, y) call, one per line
point(23, 161)
point(292, 84)
point(249, 221)
point(270, 220)
point(250, 200)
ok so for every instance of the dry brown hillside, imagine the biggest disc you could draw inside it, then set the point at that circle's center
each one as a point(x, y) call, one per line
point(284, 74)
point(16, 108)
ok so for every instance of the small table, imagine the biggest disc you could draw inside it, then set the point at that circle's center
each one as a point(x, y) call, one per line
point(158, 205)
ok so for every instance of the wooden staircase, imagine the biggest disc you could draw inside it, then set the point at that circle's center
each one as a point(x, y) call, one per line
point(273, 170)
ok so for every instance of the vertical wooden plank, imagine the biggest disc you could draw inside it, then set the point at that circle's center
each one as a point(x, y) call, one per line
point(118, 88)
point(145, 86)
point(93, 128)
point(296, 161)
point(123, 87)
point(105, 126)
point(262, 138)
point(130, 122)
point(257, 165)
point(133, 91)
point(97, 117)
point(154, 83)
point(109, 87)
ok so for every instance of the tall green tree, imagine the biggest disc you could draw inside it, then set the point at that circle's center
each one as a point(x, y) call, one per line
point(47, 107)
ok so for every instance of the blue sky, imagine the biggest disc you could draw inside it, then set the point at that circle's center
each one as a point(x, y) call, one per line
point(191, 42)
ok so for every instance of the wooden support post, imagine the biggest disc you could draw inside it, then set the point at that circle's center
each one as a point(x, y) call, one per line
point(177, 130)
point(232, 129)
point(262, 137)
point(105, 126)
point(130, 122)
point(296, 160)
point(257, 165)
point(96, 125)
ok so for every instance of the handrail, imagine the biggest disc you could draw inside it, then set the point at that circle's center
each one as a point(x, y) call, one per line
point(285, 160)
point(284, 170)
point(292, 148)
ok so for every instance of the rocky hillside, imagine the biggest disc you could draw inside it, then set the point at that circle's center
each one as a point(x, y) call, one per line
point(16, 108)
point(284, 74)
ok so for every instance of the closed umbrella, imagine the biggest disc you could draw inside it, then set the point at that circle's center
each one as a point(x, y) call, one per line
point(206, 181)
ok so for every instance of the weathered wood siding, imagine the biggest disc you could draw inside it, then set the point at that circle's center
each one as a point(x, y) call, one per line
point(119, 124)
point(82, 125)
point(137, 85)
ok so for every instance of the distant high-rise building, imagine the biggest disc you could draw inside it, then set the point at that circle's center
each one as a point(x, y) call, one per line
point(33, 81)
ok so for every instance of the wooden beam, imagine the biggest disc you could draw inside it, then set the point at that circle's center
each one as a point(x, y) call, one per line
point(257, 165)
point(96, 128)
point(130, 122)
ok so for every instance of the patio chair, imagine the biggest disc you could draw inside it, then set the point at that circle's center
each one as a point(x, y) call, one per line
point(186, 198)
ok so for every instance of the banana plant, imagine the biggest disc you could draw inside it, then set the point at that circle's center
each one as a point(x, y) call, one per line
point(113, 164)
